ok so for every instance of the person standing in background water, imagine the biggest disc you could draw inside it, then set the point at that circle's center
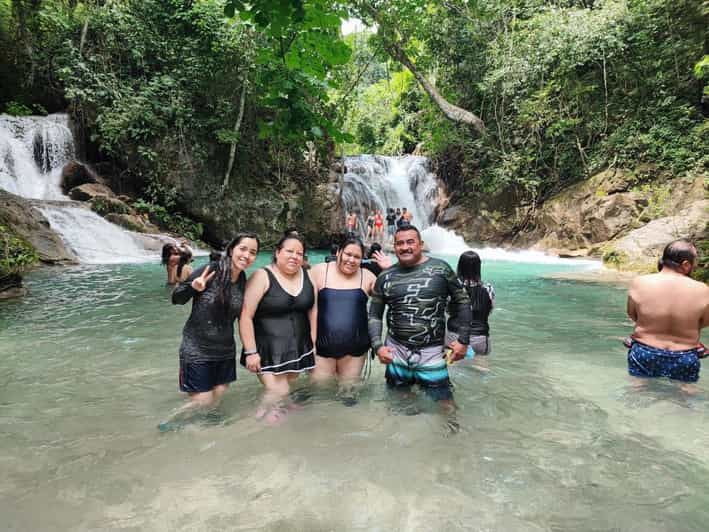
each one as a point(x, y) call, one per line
point(378, 227)
point(351, 223)
point(208, 349)
point(176, 260)
point(370, 226)
point(277, 324)
point(391, 225)
point(482, 301)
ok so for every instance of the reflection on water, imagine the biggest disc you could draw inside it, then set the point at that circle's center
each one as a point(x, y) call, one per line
point(552, 438)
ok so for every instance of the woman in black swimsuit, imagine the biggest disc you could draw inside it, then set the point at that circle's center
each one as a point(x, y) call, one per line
point(277, 323)
point(343, 289)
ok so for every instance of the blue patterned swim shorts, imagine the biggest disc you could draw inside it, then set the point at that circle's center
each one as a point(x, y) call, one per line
point(647, 361)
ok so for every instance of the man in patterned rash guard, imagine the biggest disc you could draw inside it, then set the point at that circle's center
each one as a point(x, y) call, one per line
point(417, 290)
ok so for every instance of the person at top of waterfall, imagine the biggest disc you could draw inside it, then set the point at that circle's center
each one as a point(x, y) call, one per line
point(277, 324)
point(351, 223)
point(416, 291)
point(370, 225)
point(343, 289)
point(378, 225)
point(669, 310)
point(391, 224)
point(208, 349)
point(482, 301)
point(177, 263)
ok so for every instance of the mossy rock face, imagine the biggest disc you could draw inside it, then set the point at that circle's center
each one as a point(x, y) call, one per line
point(29, 224)
point(701, 271)
point(132, 222)
point(104, 205)
point(16, 256)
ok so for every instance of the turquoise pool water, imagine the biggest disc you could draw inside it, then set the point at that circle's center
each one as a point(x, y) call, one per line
point(552, 439)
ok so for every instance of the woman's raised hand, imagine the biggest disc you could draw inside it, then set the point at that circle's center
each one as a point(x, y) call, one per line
point(200, 283)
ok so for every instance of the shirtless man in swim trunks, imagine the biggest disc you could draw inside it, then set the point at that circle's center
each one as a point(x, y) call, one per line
point(351, 223)
point(669, 310)
point(417, 290)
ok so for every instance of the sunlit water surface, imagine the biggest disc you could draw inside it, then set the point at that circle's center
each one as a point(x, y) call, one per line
point(553, 438)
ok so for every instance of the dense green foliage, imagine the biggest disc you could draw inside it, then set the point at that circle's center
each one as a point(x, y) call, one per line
point(565, 87)
point(173, 92)
point(16, 255)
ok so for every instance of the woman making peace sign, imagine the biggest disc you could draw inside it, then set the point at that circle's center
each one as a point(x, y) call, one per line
point(208, 349)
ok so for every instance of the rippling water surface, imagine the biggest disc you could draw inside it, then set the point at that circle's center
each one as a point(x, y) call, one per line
point(552, 438)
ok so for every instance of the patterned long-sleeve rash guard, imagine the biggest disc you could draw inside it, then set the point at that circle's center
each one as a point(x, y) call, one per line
point(417, 299)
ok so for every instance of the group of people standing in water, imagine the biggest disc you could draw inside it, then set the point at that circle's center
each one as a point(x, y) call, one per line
point(374, 223)
point(327, 319)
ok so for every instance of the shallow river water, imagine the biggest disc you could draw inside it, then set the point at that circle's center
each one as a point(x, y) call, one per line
point(553, 438)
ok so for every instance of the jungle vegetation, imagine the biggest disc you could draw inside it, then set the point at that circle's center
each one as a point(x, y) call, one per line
point(530, 95)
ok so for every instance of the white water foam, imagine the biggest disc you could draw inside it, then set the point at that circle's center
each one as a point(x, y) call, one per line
point(33, 151)
point(441, 241)
point(93, 239)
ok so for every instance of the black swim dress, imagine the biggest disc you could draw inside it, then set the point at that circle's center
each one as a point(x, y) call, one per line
point(282, 328)
point(342, 321)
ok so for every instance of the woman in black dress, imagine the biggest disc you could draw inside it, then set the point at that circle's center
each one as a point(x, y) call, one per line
point(208, 349)
point(276, 323)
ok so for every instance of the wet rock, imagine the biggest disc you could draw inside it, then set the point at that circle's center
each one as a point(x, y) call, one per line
point(641, 248)
point(75, 174)
point(132, 222)
point(11, 287)
point(88, 191)
point(29, 223)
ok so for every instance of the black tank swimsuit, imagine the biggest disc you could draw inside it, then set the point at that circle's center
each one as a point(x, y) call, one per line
point(282, 328)
point(342, 321)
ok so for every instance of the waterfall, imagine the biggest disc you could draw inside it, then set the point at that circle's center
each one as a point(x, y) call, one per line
point(374, 182)
point(93, 239)
point(33, 151)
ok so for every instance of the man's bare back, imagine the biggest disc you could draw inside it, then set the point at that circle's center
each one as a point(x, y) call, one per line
point(669, 310)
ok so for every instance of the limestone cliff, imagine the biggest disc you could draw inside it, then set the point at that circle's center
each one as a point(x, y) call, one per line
point(612, 215)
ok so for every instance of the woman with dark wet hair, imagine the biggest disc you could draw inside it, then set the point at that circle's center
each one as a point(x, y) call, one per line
point(482, 301)
point(177, 261)
point(343, 289)
point(276, 325)
point(208, 348)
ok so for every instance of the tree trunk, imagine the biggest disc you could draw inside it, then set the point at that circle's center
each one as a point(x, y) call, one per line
point(452, 112)
point(84, 31)
point(232, 150)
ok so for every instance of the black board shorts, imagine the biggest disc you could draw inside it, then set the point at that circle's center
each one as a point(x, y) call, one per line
point(197, 377)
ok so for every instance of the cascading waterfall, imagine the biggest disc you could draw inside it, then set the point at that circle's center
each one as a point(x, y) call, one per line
point(376, 182)
point(33, 151)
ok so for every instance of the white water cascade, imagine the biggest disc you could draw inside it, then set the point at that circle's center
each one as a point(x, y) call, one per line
point(33, 151)
point(374, 182)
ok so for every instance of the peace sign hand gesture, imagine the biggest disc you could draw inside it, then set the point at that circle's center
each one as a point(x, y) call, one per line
point(200, 283)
